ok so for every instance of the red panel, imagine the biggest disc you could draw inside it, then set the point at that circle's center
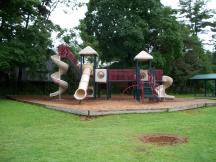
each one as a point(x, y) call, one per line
point(130, 74)
point(65, 52)
point(122, 74)
point(158, 74)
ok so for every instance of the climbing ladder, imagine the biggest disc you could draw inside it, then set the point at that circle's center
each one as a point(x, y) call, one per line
point(146, 89)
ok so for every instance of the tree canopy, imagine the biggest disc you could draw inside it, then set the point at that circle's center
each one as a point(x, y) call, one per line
point(196, 15)
point(120, 29)
point(117, 29)
point(25, 32)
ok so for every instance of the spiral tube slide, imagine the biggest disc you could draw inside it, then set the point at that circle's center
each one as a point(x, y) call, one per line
point(81, 92)
point(167, 82)
point(56, 77)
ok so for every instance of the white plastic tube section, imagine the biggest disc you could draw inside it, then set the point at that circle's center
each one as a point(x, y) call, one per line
point(167, 82)
point(56, 77)
point(81, 92)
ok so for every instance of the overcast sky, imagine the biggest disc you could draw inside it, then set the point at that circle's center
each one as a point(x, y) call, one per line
point(71, 19)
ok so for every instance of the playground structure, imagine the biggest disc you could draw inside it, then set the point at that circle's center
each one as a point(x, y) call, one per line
point(144, 83)
point(86, 70)
point(56, 77)
point(63, 52)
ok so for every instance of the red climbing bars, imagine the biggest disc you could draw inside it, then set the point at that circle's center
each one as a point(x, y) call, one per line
point(64, 52)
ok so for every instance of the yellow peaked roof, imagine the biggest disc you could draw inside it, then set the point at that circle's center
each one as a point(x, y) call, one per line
point(88, 51)
point(143, 56)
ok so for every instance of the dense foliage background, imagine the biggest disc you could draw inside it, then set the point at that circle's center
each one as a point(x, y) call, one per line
point(120, 29)
point(117, 29)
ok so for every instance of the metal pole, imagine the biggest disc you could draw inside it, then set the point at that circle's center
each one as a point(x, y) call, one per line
point(107, 90)
point(215, 87)
point(98, 90)
point(59, 78)
point(194, 87)
point(150, 64)
point(81, 62)
point(94, 77)
point(107, 85)
point(83, 59)
point(137, 81)
point(205, 88)
point(110, 89)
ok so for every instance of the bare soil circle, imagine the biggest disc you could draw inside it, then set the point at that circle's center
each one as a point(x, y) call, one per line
point(163, 139)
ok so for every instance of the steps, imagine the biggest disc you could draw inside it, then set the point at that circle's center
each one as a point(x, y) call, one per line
point(147, 90)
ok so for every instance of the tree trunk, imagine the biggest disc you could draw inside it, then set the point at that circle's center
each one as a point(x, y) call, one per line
point(27, 21)
point(20, 73)
point(1, 28)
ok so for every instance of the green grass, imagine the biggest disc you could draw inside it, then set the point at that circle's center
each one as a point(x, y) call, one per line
point(197, 96)
point(184, 95)
point(32, 133)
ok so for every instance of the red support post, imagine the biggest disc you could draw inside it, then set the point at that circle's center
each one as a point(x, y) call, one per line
point(142, 91)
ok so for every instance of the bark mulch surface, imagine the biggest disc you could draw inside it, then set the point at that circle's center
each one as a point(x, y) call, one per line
point(116, 103)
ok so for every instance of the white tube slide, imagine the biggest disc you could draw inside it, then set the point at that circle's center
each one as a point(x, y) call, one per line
point(167, 82)
point(81, 92)
point(56, 77)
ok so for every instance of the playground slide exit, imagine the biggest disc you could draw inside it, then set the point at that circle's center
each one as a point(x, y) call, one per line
point(167, 82)
point(56, 77)
point(81, 92)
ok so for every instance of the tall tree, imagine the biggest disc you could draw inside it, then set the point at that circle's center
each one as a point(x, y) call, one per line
point(25, 32)
point(214, 52)
point(197, 15)
point(193, 60)
point(121, 29)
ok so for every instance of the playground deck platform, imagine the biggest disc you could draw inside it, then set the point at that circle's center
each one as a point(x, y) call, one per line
point(116, 105)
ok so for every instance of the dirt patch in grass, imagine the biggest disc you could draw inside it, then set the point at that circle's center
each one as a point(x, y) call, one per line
point(163, 139)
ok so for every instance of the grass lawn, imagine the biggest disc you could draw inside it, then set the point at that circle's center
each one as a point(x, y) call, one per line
point(201, 96)
point(32, 133)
